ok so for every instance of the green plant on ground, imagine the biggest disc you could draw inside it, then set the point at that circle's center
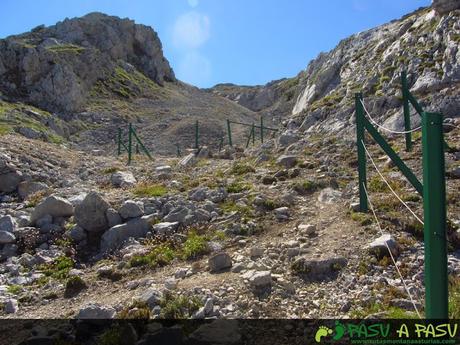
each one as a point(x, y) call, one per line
point(178, 306)
point(241, 168)
point(110, 170)
point(160, 255)
point(137, 310)
point(14, 289)
point(231, 206)
point(238, 187)
point(149, 190)
point(305, 187)
point(194, 246)
point(66, 48)
point(376, 184)
point(59, 268)
point(35, 198)
point(362, 218)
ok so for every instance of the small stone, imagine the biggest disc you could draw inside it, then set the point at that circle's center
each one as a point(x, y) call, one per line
point(256, 252)
point(379, 247)
point(113, 217)
point(151, 296)
point(131, 209)
point(11, 306)
point(260, 279)
point(54, 206)
point(165, 228)
point(288, 161)
point(170, 283)
point(96, 311)
point(123, 179)
point(282, 213)
point(7, 237)
point(219, 262)
point(77, 234)
point(8, 224)
point(307, 229)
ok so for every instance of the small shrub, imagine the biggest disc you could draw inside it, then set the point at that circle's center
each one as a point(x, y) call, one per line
point(160, 255)
point(238, 187)
point(178, 307)
point(194, 246)
point(137, 310)
point(454, 297)
point(231, 206)
point(74, 286)
point(240, 168)
point(149, 190)
point(34, 199)
point(14, 289)
point(362, 218)
point(59, 269)
point(305, 187)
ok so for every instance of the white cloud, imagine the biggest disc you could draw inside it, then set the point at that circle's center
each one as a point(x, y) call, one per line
point(194, 69)
point(193, 3)
point(191, 30)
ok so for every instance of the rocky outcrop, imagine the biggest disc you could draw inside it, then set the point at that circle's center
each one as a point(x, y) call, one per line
point(55, 67)
point(423, 43)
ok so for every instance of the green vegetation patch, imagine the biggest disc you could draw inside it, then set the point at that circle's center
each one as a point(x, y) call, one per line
point(241, 168)
point(149, 190)
point(59, 269)
point(178, 306)
point(194, 246)
point(238, 187)
point(66, 48)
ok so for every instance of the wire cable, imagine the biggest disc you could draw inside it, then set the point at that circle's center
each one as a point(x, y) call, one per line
point(391, 254)
point(385, 128)
point(389, 186)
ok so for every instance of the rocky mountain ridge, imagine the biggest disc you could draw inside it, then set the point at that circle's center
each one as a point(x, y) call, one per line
point(424, 43)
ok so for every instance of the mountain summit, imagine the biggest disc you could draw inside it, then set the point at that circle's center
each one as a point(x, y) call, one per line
point(55, 67)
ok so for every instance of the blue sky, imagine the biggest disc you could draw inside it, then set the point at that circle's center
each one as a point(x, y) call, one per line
point(244, 42)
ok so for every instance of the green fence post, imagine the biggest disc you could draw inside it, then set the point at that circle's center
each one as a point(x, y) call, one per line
point(196, 135)
point(407, 126)
point(178, 150)
point(229, 130)
point(130, 143)
point(119, 141)
point(221, 143)
point(261, 129)
point(249, 138)
point(434, 206)
point(361, 153)
point(253, 132)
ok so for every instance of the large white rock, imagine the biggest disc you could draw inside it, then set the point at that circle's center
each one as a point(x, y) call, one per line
point(96, 311)
point(27, 188)
point(131, 209)
point(90, 213)
point(122, 179)
point(54, 206)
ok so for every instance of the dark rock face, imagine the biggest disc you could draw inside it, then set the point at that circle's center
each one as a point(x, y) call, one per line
point(55, 67)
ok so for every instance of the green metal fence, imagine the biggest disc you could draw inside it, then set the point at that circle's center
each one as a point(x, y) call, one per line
point(252, 132)
point(432, 191)
point(129, 146)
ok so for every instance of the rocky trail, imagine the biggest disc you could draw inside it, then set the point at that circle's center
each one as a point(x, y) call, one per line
point(271, 232)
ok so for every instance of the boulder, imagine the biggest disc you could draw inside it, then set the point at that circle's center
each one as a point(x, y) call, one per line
point(11, 306)
point(287, 138)
point(90, 213)
point(7, 237)
point(54, 206)
point(178, 214)
point(198, 194)
point(115, 236)
point(27, 188)
point(122, 179)
point(260, 279)
point(96, 311)
point(113, 217)
point(282, 213)
point(287, 161)
point(10, 177)
point(188, 160)
point(165, 228)
point(8, 224)
point(77, 234)
point(318, 269)
point(131, 209)
point(219, 262)
point(329, 196)
point(379, 248)
point(151, 297)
